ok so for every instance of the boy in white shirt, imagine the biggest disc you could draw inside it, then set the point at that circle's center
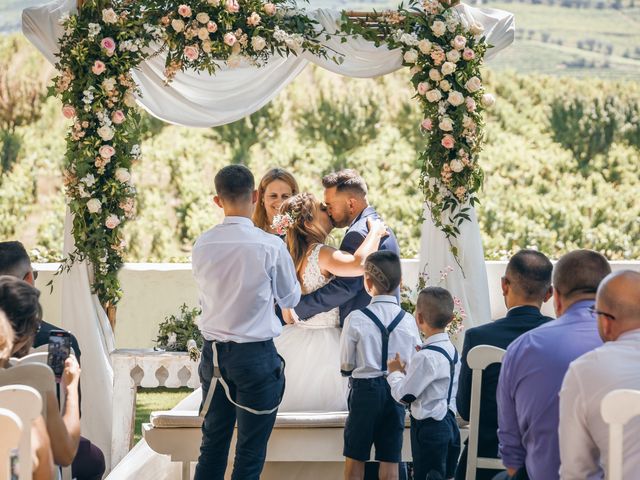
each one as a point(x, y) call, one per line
point(429, 385)
point(375, 418)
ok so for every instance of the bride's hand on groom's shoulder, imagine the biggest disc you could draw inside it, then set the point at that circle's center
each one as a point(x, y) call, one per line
point(378, 227)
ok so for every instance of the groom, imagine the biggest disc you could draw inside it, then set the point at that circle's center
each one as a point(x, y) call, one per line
point(345, 196)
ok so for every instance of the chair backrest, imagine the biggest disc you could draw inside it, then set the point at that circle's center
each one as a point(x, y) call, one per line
point(33, 357)
point(36, 375)
point(26, 403)
point(11, 428)
point(617, 408)
point(478, 359)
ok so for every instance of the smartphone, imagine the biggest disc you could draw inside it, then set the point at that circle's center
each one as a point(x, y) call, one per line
point(59, 350)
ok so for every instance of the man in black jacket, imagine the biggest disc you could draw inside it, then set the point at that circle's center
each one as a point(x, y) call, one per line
point(526, 285)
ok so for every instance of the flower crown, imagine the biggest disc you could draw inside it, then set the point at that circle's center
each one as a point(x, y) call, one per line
point(282, 222)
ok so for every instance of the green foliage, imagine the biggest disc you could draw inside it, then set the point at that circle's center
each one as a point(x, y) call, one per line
point(177, 330)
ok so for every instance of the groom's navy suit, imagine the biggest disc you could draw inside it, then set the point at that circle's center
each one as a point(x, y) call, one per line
point(348, 293)
point(499, 334)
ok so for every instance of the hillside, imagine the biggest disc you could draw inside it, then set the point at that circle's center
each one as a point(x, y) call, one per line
point(540, 190)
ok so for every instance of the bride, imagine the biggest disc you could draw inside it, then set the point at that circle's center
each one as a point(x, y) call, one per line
point(311, 348)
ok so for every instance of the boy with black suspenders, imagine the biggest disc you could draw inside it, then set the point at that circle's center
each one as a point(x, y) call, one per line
point(375, 418)
point(429, 385)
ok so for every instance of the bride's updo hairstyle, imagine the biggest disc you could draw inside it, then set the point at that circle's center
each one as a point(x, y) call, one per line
point(303, 230)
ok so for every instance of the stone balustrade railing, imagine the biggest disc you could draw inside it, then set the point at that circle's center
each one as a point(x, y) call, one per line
point(148, 369)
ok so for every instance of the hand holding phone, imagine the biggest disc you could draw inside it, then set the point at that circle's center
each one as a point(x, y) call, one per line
point(59, 351)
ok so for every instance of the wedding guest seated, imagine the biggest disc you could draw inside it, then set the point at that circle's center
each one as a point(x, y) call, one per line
point(275, 187)
point(40, 445)
point(375, 418)
point(584, 436)
point(428, 382)
point(535, 364)
point(19, 301)
point(89, 463)
point(526, 285)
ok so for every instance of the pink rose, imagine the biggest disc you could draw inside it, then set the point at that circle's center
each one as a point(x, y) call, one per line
point(438, 56)
point(68, 111)
point(98, 67)
point(184, 10)
point(448, 141)
point(423, 88)
point(230, 39)
point(269, 9)
point(108, 44)
point(117, 117)
point(112, 221)
point(107, 151)
point(459, 42)
point(212, 27)
point(191, 52)
point(232, 6)
point(427, 124)
point(468, 54)
point(471, 104)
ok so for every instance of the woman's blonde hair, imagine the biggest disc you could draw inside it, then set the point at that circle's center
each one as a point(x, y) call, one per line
point(304, 231)
point(6, 339)
point(260, 218)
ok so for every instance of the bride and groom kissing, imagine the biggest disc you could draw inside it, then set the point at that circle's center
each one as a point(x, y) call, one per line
point(241, 271)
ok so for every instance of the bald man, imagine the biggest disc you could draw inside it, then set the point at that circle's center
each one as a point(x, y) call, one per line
point(584, 435)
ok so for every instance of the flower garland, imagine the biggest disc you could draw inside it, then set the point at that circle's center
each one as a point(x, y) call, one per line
point(444, 54)
point(98, 50)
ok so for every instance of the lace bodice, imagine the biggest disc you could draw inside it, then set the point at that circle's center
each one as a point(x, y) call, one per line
point(312, 280)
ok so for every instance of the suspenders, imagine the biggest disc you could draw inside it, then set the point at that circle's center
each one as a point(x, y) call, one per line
point(452, 365)
point(385, 332)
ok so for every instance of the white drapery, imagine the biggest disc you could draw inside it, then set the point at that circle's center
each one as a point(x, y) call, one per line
point(201, 100)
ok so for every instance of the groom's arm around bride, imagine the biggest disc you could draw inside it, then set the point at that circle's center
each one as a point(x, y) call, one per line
point(346, 199)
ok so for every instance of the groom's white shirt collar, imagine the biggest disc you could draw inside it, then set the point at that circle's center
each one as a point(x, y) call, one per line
point(230, 220)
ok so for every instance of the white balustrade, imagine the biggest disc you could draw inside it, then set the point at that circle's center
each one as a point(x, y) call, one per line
point(147, 369)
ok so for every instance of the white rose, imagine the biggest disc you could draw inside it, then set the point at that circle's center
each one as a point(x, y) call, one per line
point(446, 125)
point(203, 33)
point(258, 43)
point(109, 16)
point(206, 46)
point(467, 121)
point(434, 75)
point(433, 95)
point(122, 175)
point(108, 84)
point(448, 68)
point(488, 100)
point(89, 180)
point(94, 205)
point(106, 133)
point(410, 56)
point(445, 86)
point(453, 56)
point(129, 100)
point(177, 24)
point(424, 46)
point(476, 29)
point(438, 28)
point(456, 165)
point(473, 84)
point(202, 17)
point(455, 99)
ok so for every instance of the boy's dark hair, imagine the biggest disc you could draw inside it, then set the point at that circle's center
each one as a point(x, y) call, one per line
point(435, 304)
point(529, 273)
point(384, 269)
point(234, 183)
point(14, 259)
point(346, 180)
point(580, 272)
point(19, 301)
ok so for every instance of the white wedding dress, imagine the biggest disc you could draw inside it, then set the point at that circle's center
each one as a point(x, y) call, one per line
point(311, 350)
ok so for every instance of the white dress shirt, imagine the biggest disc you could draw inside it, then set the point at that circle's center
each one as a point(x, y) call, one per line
point(240, 270)
point(361, 340)
point(584, 436)
point(427, 379)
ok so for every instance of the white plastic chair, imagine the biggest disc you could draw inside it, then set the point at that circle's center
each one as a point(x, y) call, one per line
point(617, 408)
point(35, 375)
point(478, 359)
point(11, 428)
point(26, 403)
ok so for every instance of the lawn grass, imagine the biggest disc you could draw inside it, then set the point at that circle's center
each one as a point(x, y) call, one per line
point(152, 399)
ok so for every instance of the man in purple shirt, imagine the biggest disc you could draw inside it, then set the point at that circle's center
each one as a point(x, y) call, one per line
point(535, 364)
